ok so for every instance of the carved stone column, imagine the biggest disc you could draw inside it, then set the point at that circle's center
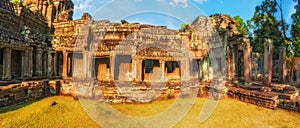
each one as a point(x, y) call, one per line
point(7, 64)
point(30, 65)
point(139, 69)
point(183, 69)
point(65, 64)
point(112, 66)
point(205, 68)
point(282, 64)
point(90, 64)
point(55, 73)
point(39, 62)
point(134, 67)
point(50, 65)
point(26, 62)
point(85, 63)
point(232, 64)
point(162, 66)
point(247, 62)
point(268, 55)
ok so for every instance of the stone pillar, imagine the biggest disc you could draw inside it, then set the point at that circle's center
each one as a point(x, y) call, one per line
point(39, 62)
point(268, 55)
point(30, 65)
point(234, 64)
point(229, 65)
point(183, 69)
point(134, 67)
point(90, 64)
point(112, 66)
point(65, 64)
point(7, 64)
point(282, 65)
point(50, 65)
point(162, 66)
point(25, 66)
point(205, 68)
point(186, 67)
point(247, 62)
point(297, 75)
point(139, 69)
point(55, 73)
point(85, 63)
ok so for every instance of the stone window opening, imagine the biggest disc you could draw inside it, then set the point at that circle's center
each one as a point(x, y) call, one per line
point(16, 64)
point(171, 66)
point(151, 70)
point(150, 64)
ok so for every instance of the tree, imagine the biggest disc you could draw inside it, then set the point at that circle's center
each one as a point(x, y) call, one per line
point(295, 32)
point(297, 6)
point(265, 25)
point(241, 25)
point(16, 2)
point(182, 27)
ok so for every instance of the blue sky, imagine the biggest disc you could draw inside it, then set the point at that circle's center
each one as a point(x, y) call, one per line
point(171, 13)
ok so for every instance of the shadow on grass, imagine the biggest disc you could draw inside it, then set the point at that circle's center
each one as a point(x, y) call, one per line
point(19, 105)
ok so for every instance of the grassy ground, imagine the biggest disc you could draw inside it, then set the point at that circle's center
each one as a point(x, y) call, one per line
point(69, 113)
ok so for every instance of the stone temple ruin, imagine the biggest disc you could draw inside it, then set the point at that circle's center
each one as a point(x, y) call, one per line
point(44, 52)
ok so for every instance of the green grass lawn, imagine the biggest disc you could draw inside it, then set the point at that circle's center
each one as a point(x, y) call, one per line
point(69, 113)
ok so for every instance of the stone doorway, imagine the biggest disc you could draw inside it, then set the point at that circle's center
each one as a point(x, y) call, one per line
point(195, 69)
point(102, 68)
point(239, 64)
point(123, 68)
point(17, 64)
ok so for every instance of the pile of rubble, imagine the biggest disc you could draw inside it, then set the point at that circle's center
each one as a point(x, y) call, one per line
point(277, 95)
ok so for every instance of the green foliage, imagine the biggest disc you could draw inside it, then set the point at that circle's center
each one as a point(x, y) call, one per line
point(265, 25)
point(241, 25)
point(16, 2)
point(183, 26)
point(295, 32)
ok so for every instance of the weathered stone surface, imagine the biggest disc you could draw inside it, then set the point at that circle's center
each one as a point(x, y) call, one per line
point(21, 92)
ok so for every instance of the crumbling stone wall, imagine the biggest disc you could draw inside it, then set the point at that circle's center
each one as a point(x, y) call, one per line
point(24, 92)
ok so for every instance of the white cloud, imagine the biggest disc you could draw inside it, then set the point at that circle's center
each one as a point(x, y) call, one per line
point(184, 3)
point(81, 5)
point(201, 1)
point(180, 3)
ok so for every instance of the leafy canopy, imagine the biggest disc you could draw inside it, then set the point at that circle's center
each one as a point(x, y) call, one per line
point(265, 25)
